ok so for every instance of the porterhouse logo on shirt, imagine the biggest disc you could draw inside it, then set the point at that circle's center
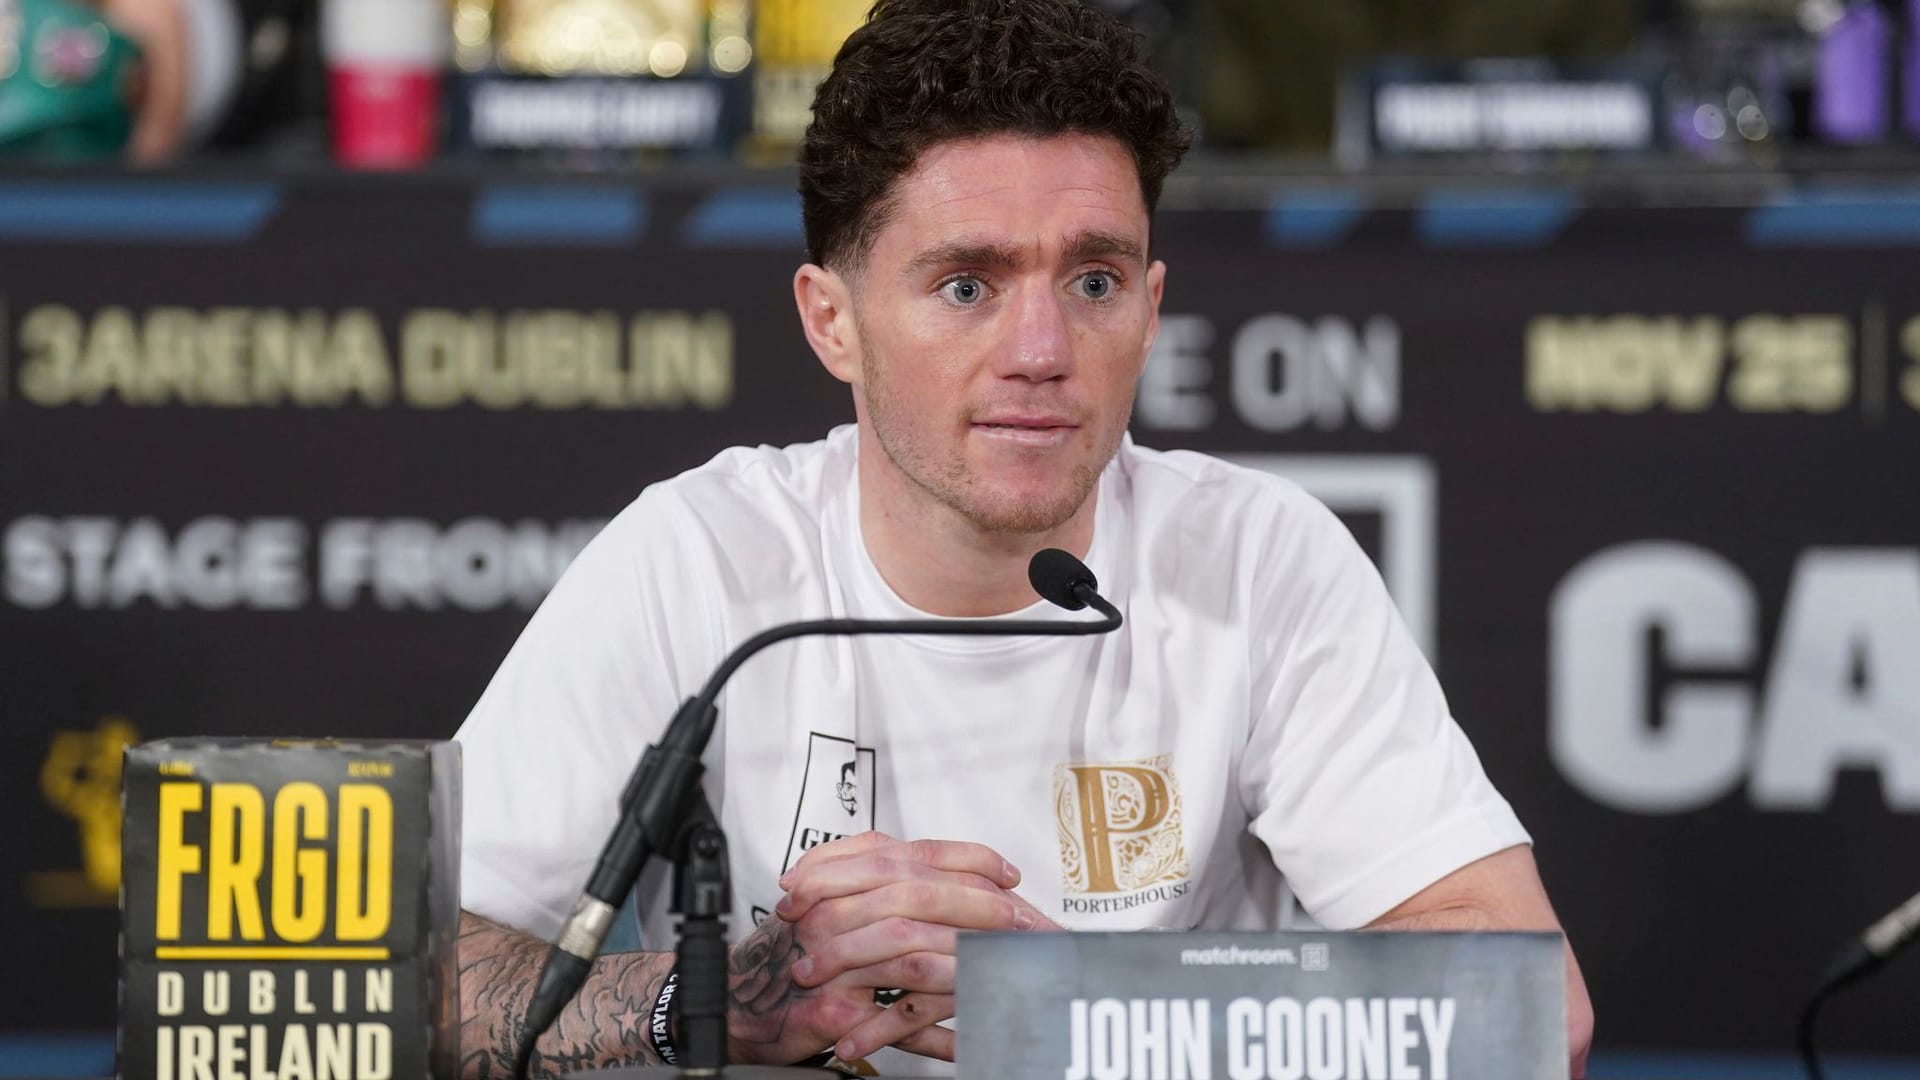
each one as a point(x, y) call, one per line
point(1120, 833)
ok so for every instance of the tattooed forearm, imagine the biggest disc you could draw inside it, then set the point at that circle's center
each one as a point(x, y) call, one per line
point(605, 1025)
point(760, 988)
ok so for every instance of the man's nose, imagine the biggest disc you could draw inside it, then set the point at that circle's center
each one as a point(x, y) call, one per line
point(1038, 342)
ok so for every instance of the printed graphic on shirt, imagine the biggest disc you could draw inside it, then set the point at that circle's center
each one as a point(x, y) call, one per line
point(836, 795)
point(1121, 843)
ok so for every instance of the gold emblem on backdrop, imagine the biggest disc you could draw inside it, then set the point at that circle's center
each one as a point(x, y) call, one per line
point(660, 38)
point(794, 43)
point(1120, 827)
point(81, 778)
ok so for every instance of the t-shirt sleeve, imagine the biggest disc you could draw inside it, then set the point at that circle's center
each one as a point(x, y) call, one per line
point(1358, 780)
point(546, 751)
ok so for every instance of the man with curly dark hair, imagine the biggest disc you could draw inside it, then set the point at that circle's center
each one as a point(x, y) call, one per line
point(1260, 738)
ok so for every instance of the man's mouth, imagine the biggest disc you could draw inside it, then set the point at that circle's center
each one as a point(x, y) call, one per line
point(1027, 431)
point(1025, 420)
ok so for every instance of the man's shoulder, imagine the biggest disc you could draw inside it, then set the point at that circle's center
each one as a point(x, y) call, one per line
point(752, 486)
point(748, 520)
point(1185, 483)
point(1256, 527)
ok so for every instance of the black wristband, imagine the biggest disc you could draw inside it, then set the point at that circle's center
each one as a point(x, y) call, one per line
point(660, 1023)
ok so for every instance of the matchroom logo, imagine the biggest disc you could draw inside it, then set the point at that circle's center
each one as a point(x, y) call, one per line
point(1121, 843)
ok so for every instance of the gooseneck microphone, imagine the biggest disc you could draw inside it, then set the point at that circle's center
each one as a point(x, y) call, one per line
point(1861, 957)
point(1061, 579)
point(664, 788)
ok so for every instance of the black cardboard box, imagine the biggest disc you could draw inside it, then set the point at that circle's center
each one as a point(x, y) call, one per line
point(290, 908)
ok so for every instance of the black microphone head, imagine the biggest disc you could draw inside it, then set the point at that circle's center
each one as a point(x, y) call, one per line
point(1057, 576)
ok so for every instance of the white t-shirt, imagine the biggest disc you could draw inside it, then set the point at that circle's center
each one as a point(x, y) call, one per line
point(1262, 724)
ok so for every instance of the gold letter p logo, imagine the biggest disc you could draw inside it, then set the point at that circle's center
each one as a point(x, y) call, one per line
point(1119, 825)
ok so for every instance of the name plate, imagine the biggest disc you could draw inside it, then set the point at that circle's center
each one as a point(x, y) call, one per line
point(1298, 1006)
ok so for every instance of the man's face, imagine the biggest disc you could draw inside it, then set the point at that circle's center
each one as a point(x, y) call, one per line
point(1002, 318)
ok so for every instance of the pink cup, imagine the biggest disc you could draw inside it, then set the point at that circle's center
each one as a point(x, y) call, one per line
point(384, 64)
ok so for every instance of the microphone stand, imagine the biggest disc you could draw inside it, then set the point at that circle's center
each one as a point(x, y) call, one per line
point(663, 809)
point(703, 894)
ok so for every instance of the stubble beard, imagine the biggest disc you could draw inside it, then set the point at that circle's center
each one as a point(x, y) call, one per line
point(958, 487)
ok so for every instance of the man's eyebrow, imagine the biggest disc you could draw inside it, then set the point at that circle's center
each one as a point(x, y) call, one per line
point(980, 253)
point(1094, 244)
point(991, 255)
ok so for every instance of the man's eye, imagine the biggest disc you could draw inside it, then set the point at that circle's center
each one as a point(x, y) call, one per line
point(964, 290)
point(1097, 284)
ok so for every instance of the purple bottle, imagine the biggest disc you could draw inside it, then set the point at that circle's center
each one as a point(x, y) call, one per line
point(1910, 77)
point(1850, 87)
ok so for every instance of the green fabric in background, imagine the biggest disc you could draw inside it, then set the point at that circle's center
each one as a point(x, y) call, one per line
point(65, 78)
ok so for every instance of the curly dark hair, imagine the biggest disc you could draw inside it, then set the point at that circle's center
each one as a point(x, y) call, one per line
point(921, 72)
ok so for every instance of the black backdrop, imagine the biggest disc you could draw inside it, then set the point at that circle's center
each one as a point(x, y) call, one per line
point(1644, 480)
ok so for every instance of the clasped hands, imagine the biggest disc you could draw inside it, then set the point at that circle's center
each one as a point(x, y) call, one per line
point(860, 915)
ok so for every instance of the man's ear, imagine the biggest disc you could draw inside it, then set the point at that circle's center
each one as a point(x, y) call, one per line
point(826, 316)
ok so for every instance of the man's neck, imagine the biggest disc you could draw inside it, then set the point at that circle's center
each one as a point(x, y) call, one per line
point(940, 562)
